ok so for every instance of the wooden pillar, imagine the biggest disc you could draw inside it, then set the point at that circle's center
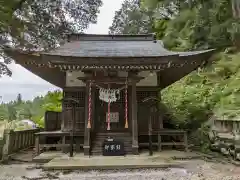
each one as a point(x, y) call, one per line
point(235, 127)
point(134, 118)
point(86, 145)
point(186, 141)
point(63, 115)
point(160, 120)
point(159, 142)
point(64, 147)
point(150, 131)
point(37, 145)
point(63, 138)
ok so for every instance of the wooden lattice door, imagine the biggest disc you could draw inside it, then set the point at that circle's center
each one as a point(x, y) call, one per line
point(79, 111)
point(144, 112)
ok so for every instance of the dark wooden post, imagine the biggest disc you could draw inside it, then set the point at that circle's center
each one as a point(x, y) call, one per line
point(152, 104)
point(86, 145)
point(160, 120)
point(150, 132)
point(134, 118)
point(72, 130)
point(37, 146)
point(74, 104)
point(93, 107)
point(63, 138)
point(186, 141)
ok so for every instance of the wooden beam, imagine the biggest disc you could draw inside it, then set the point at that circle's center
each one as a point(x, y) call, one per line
point(110, 80)
point(113, 61)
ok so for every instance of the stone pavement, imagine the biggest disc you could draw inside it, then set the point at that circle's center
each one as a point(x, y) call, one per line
point(163, 159)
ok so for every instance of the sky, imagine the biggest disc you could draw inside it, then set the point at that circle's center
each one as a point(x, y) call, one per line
point(29, 85)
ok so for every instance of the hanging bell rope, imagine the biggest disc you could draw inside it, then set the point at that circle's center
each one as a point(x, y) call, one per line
point(89, 105)
point(126, 104)
point(108, 118)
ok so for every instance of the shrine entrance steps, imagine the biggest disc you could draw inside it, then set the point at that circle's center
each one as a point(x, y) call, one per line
point(99, 138)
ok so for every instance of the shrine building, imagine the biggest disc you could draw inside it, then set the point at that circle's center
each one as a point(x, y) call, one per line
point(106, 81)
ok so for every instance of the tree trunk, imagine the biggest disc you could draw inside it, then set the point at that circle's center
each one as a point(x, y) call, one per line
point(236, 8)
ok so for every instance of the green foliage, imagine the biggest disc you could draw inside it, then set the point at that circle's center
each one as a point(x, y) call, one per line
point(197, 25)
point(214, 89)
point(32, 24)
point(34, 110)
point(53, 101)
point(131, 19)
point(194, 25)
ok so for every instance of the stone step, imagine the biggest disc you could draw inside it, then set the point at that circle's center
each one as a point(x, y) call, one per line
point(126, 146)
point(101, 145)
point(113, 136)
point(97, 146)
point(100, 152)
point(120, 137)
point(106, 137)
point(101, 142)
point(101, 148)
point(114, 133)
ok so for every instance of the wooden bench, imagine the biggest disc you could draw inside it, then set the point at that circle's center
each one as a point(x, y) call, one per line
point(168, 132)
point(61, 134)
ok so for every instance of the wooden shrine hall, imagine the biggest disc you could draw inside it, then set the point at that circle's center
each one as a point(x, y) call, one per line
point(111, 86)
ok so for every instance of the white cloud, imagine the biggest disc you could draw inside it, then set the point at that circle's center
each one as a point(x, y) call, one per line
point(21, 75)
point(105, 17)
point(30, 85)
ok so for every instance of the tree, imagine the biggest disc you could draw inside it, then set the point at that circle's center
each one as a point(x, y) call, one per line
point(3, 112)
point(236, 8)
point(12, 113)
point(34, 110)
point(19, 98)
point(196, 24)
point(53, 101)
point(32, 24)
point(131, 19)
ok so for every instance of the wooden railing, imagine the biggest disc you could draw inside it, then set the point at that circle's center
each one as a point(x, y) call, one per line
point(178, 134)
point(14, 141)
point(2, 142)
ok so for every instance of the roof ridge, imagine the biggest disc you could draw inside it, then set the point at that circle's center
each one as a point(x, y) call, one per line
point(110, 37)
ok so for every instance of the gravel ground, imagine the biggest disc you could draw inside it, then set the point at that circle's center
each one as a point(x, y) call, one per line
point(195, 170)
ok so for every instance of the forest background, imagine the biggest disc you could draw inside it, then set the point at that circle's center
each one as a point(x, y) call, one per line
point(181, 25)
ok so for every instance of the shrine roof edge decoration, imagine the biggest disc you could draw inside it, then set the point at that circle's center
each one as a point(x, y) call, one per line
point(110, 37)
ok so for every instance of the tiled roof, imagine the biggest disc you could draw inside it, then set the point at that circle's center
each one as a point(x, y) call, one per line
point(114, 46)
point(111, 49)
point(87, 45)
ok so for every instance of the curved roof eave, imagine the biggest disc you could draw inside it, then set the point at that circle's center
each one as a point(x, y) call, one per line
point(53, 76)
point(168, 78)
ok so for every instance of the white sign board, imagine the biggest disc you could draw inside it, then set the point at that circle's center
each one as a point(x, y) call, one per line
point(114, 117)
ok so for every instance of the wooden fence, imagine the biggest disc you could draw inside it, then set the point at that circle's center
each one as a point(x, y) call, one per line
point(14, 141)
